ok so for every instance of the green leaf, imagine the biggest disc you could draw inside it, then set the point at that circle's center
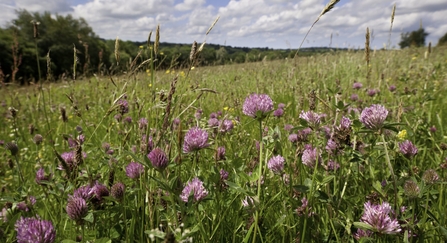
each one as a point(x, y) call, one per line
point(103, 240)
point(301, 188)
point(363, 226)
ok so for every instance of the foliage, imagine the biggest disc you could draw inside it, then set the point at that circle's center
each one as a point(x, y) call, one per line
point(414, 38)
point(443, 40)
point(102, 118)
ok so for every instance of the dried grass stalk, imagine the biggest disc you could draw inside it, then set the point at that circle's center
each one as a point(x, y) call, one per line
point(212, 26)
point(157, 40)
point(117, 51)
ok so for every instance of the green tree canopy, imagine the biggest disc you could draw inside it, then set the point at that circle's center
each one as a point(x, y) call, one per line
point(57, 35)
point(413, 39)
point(443, 40)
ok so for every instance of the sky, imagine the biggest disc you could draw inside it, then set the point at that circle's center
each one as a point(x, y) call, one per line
point(278, 24)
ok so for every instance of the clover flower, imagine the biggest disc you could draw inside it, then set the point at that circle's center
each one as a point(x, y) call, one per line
point(158, 159)
point(408, 149)
point(195, 139)
point(134, 170)
point(374, 116)
point(378, 217)
point(34, 230)
point(276, 164)
point(196, 189)
point(76, 209)
point(257, 106)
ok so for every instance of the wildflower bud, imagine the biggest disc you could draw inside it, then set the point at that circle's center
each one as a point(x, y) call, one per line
point(31, 129)
point(38, 139)
point(411, 189)
point(63, 114)
point(13, 112)
point(430, 176)
point(118, 190)
point(12, 147)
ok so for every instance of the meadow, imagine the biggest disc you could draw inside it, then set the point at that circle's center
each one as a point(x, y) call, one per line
point(326, 148)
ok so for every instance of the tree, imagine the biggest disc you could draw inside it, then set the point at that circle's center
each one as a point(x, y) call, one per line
point(413, 39)
point(58, 35)
point(443, 40)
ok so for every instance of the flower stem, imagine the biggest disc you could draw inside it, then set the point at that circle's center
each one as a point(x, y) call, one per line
point(390, 167)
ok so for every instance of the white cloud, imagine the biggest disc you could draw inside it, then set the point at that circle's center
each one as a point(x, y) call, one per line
point(273, 23)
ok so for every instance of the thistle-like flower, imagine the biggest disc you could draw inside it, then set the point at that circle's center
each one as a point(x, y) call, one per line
point(374, 116)
point(257, 106)
point(276, 164)
point(158, 159)
point(196, 189)
point(134, 170)
point(408, 149)
point(312, 118)
point(34, 230)
point(357, 85)
point(378, 217)
point(309, 157)
point(195, 139)
point(77, 209)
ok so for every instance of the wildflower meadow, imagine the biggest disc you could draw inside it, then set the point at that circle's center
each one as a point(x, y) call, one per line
point(325, 148)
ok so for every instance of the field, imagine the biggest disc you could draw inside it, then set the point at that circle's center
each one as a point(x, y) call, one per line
point(324, 148)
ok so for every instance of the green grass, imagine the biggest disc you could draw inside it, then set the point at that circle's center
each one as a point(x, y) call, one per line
point(152, 209)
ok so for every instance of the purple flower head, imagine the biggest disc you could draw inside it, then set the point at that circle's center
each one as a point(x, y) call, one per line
point(117, 191)
point(123, 106)
point(374, 116)
point(276, 164)
point(118, 117)
point(146, 144)
point(293, 138)
point(195, 139)
point(345, 123)
point(281, 106)
point(213, 122)
point(362, 234)
point(378, 217)
point(357, 85)
point(84, 192)
point(198, 114)
point(372, 92)
point(331, 146)
point(158, 159)
point(127, 120)
point(332, 165)
point(288, 127)
point(392, 88)
point(142, 123)
point(278, 112)
point(22, 206)
point(257, 105)
point(40, 176)
point(99, 191)
point(248, 201)
point(213, 115)
point(433, 129)
point(354, 97)
point(34, 230)
point(309, 157)
point(312, 118)
point(77, 209)
point(81, 138)
point(408, 149)
point(196, 189)
point(175, 123)
point(223, 175)
point(134, 170)
point(220, 153)
point(226, 126)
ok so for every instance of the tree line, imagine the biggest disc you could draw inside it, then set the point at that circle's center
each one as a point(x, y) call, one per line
point(40, 46)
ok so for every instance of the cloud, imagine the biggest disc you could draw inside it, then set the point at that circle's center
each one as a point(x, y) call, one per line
point(253, 23)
